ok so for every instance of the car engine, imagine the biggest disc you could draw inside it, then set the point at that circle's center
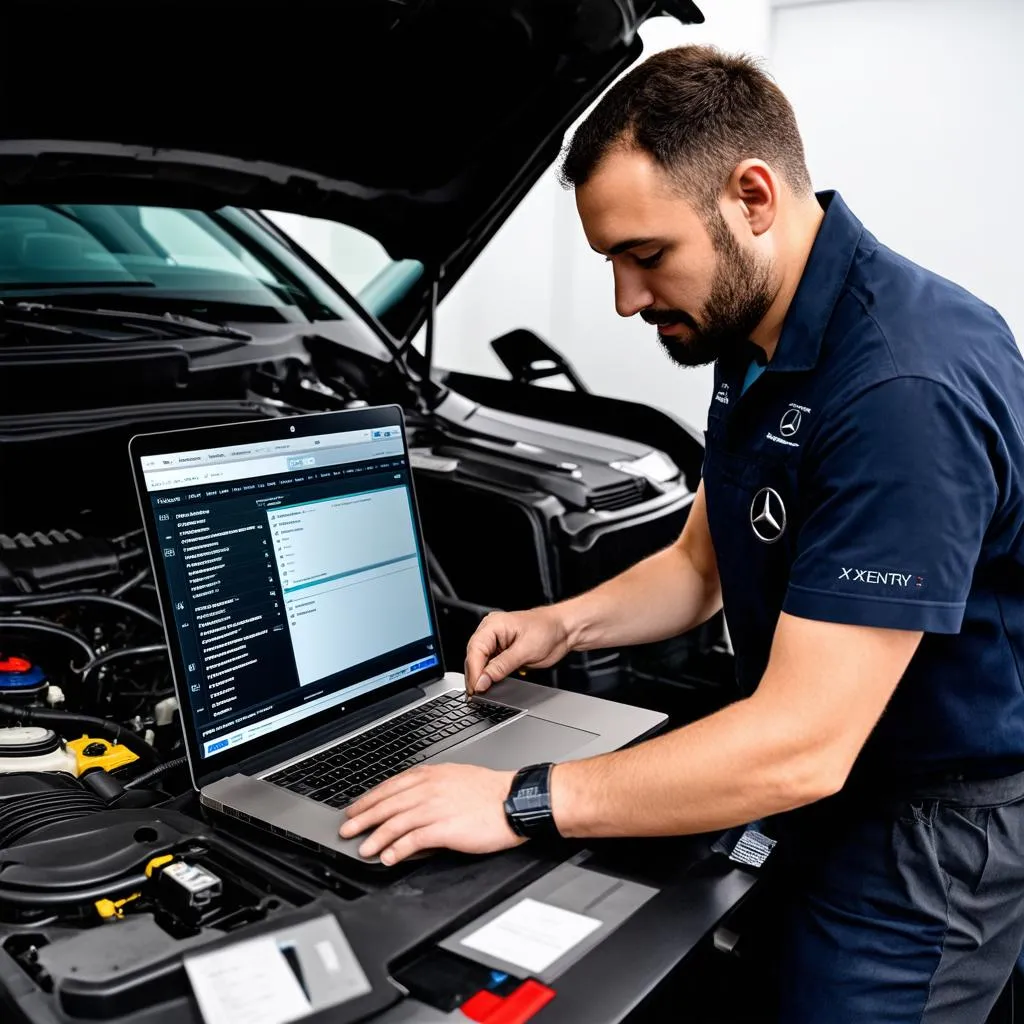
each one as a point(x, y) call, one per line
point(82, 640)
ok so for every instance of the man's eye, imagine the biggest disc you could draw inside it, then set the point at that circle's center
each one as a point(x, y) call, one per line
point(650, 262)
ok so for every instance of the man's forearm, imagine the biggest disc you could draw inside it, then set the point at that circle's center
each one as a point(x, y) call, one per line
point(660, 597)
point(735, 766)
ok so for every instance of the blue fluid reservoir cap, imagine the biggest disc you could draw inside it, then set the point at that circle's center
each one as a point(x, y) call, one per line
point(19, 674)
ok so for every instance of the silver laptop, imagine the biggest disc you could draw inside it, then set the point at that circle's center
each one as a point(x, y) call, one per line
point(289, 560)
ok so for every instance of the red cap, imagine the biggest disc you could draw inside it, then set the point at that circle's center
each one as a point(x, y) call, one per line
point(15, 665)
point(481, 1006)
point(516, 1008)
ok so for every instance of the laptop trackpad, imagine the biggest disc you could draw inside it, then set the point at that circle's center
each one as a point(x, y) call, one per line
point(525, 741)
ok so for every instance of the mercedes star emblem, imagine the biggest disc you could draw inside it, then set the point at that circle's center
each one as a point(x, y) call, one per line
point(790, 422)
point(768, 515)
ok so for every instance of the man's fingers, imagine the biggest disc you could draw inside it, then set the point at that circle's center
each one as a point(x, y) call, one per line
point(481, 646)
point(428, 837)
point(385, 810)
point(504, 664)
point(394, 828)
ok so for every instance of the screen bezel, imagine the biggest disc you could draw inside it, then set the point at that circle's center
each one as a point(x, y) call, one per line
point(208, 769)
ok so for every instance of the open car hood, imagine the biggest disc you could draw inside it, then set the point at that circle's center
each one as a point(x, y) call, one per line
point(421, 122)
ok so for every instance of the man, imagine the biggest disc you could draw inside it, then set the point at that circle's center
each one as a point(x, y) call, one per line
point(861, 515)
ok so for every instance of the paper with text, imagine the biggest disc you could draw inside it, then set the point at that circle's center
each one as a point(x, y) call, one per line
point(531, 934)
point(248, 983)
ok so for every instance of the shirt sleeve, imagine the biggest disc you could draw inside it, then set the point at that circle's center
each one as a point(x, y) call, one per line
point(897, 497)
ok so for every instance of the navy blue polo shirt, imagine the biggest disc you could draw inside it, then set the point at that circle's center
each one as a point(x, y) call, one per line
point(873, 474)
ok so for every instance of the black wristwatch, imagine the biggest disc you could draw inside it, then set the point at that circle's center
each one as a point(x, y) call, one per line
point(528, 804)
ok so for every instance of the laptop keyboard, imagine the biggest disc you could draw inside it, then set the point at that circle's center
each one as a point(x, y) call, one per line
point(338, 775)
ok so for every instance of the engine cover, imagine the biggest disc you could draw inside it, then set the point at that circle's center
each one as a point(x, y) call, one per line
point(59, 559)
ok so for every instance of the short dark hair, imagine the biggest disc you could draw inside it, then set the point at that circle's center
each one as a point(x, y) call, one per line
point(698, 112)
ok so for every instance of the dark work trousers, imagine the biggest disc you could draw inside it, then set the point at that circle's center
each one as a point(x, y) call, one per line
point(908, 913)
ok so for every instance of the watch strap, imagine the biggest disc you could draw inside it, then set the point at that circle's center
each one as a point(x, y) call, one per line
point(528, 805)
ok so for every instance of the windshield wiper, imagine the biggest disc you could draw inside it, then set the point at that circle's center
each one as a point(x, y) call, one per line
point(42, 286)
point(173, 323)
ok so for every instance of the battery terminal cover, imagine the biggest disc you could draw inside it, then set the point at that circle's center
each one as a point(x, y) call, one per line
point(114, 909)
point(186, 890)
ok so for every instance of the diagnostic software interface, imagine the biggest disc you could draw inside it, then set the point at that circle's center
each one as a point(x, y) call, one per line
point(295, 576)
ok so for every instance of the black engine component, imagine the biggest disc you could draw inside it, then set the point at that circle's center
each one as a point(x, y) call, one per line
point(64, 847)
point(32, 802)
point(99, 905)
point(42, 562)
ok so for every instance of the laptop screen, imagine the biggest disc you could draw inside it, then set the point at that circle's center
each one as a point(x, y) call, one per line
point(295, 576)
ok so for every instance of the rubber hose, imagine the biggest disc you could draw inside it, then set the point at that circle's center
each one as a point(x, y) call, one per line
point(155, 773)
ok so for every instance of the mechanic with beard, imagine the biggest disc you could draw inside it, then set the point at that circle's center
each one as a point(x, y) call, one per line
point(861, 516)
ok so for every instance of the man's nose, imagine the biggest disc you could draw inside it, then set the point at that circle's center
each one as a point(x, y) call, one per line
point(631, 295)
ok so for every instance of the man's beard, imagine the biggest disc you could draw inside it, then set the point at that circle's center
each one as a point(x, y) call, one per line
point(741, 295)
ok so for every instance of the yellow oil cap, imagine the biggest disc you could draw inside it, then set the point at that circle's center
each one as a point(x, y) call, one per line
point(98, 753)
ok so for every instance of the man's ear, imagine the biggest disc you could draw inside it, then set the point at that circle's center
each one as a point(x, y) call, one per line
point(754, 189)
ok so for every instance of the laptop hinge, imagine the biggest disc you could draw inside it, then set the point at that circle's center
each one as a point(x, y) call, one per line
point(310, 740)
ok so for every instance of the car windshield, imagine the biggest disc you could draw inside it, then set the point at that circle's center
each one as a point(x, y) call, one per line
point(353, 257)
point(224, 261)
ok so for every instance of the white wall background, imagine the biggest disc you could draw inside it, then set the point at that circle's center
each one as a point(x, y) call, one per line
point(910, 108)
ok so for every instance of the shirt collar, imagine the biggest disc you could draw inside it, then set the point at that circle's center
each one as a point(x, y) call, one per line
point(820, 285)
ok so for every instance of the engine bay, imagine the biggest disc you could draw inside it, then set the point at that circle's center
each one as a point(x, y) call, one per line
point(100, 831)
point(83, 647)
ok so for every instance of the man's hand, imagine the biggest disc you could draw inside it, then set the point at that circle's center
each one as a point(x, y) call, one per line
point(438, 806)
point(507, 641)
point(661, 596)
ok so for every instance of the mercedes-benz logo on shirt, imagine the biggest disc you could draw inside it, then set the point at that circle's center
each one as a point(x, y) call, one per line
point(790, 422)
point(767, 515)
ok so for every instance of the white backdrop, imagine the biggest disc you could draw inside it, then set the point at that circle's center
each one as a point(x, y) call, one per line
point(912, 109)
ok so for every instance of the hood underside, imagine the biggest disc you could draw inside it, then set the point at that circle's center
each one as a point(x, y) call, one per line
point(421, 122)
